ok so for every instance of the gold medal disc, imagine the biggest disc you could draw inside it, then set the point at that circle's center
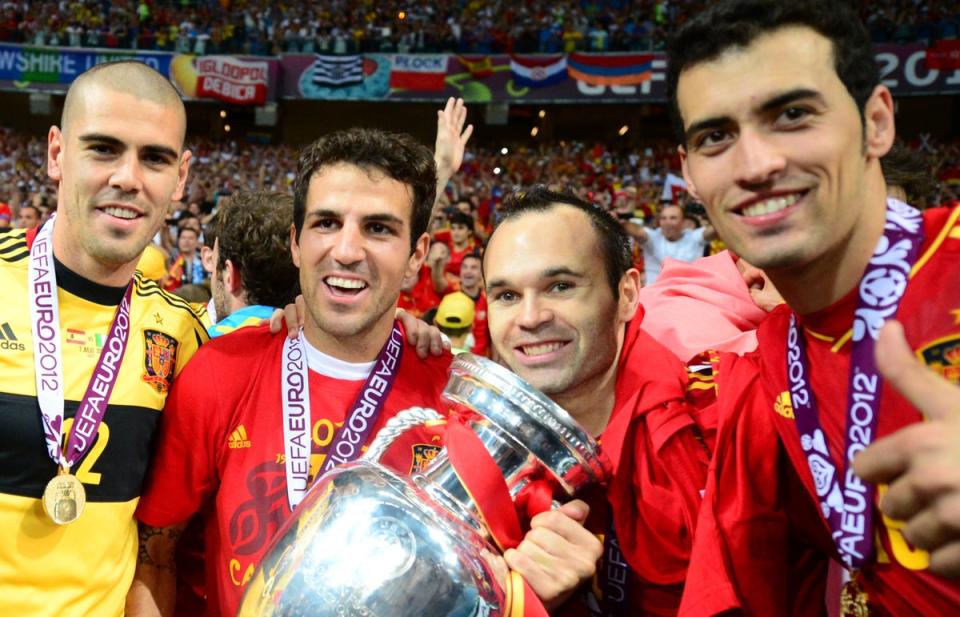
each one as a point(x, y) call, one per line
point(64, 498)
point(853, 600)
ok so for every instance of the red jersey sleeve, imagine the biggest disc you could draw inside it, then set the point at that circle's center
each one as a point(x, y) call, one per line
point(184, 471)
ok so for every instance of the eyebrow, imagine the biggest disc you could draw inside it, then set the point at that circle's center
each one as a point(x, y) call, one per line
point(776, 102)
point(546, 274)
point(113, 141)
point(382, 217)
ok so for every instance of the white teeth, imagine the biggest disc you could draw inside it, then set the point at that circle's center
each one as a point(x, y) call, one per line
point(336, 281)
point(538, 350)
point(121, 213)
point(770, 206)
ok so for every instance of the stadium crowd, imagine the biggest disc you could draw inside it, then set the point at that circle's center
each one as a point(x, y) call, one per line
point(631, 183)
point(776, 426)
point(261, 27)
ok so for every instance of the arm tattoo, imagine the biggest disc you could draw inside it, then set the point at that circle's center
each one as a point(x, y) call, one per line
point(169, 536)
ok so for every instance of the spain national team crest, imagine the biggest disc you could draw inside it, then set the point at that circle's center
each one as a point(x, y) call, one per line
point(159, 359)
point(943, 356)
point(423, 453)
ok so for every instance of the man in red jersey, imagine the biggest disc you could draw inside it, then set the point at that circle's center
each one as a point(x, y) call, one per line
point(563, 310)
point(238, 441)
point(782, 123)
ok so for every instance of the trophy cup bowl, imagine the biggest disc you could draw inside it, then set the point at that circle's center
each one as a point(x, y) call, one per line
point(366, 541)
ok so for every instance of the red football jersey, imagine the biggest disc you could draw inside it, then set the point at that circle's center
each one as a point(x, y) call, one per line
point(654, 443)
point(756, 408)
point(480, 329)
point(456, 256)
point(221, 450)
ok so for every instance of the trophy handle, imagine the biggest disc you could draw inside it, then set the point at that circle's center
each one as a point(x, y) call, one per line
point(396, 426)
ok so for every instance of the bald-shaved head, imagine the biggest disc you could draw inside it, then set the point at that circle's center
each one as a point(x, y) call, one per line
point(129, 77)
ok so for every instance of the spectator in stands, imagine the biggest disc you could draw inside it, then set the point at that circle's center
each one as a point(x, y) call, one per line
point(459, 240)
point(253, 271)
point(5, 216)
point(471, 284)
point(29, 217)
point(670, 239)
point(455, 317)
point(187, 268)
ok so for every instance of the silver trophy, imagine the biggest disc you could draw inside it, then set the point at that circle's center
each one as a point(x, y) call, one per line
point(368, 542)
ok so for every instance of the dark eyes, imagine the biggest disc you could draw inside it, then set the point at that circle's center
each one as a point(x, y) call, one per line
point(792, 115)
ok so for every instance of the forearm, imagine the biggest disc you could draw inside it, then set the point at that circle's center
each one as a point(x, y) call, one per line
point(153, 592)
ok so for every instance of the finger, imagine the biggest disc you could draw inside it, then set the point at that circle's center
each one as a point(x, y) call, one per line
point(558, 523)
point(436, 342)
point(466, 134)
point(577, 509)
point(887, 458)
point(902, 499)
point(423, 340)
point(929, 393)
point(276, 321)
point(291, 318)
point(552, 587)
point(527, 567)
point(933, 474)
point(936, 525)
point(945, 561)
point(546, 548)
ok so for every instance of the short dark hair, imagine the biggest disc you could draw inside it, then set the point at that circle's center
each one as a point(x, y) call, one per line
point(613, 241)
point(461, 218)
point(730, 24)
point(397, 155)
point(475, 254)
point(192, 230)
point(253, 232)
point(906, 169)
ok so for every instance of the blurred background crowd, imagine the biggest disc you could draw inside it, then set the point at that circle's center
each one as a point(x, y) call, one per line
point(461, 26)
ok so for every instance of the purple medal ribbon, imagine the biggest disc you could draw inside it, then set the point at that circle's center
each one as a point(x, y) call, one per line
point(353, 435)
point(848, 504)
point(615, 577)
point(48, 358)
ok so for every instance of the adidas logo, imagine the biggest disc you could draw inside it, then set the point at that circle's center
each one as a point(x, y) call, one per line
point(238, 439)
point(8, 340)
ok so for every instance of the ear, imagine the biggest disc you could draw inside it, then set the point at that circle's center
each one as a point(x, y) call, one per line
point(54, 150)
point(232, 279)
point(880, 125)
point(629, 295)
point(685, 166)
point(294, 246)
point(415, 262)
point(182, 172)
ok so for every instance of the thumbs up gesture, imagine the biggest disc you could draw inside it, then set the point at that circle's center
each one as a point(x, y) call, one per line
point(921, 462)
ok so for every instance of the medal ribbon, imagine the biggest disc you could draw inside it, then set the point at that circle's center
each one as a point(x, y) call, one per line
point(615, 577)
point(361, 417)
point(847, 503)
point(48, 357)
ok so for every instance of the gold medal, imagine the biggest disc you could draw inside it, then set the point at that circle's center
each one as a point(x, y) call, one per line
point(853, 599)
point(64, 498)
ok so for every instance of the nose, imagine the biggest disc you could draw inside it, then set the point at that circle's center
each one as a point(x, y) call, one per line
point(348, 245)
point(758, 159)
point(533, 313)
point(128, 174)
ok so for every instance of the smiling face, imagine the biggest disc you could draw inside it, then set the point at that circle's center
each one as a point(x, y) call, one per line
point(353, 254)
point(552, 314)
point(471, 273)
point(118, 165)
point(776, 150)
point(671, 222)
